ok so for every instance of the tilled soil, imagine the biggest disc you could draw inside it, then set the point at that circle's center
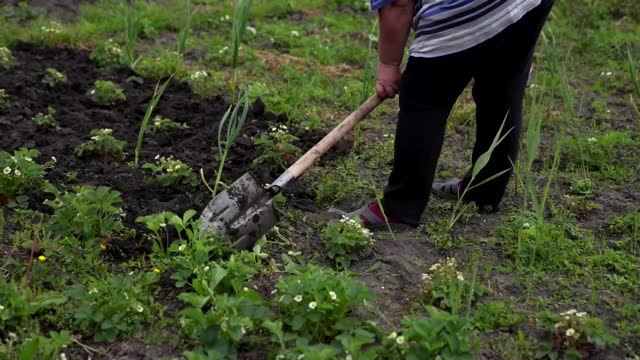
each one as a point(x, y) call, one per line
point(77, 115)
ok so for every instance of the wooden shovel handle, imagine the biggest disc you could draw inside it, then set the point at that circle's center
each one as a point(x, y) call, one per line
point(333, 137)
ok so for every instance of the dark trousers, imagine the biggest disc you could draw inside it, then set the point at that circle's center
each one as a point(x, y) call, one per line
point(428, 90)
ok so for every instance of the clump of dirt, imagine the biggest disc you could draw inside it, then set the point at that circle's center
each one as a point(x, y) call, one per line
point(77, 115)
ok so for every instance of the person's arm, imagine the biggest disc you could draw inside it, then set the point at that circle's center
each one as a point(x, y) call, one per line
point(395, 21)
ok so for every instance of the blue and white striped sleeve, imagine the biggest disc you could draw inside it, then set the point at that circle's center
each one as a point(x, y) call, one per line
point(377, 4)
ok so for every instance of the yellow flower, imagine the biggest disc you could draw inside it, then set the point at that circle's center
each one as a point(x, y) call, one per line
point(103, 247)
point(42, 258)
point(156, 270)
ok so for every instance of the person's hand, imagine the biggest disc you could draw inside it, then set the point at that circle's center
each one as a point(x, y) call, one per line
point(387, 81)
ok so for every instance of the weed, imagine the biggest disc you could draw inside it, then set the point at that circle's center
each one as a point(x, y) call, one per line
point(346, 240)
point(573, 335)
point(107, 308)
point(161, 124)
point(91, 214)
point(318, 302)
point(47, 120)
point(108, 54)
point(20, 304)
point(157, 94)
point(168, 171)
point(102, 143)
point(7, 61)
point(4, 100)
point(276, 148)
point(106, 93)
point(338, 180)
point(443, 335)
point(496, 315)
point(20, 175)
point(53, 77)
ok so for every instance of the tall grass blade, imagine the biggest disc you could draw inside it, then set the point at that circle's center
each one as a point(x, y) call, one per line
point(185, 31)
point(241, 11)
point(130, 32)
point(157, 94)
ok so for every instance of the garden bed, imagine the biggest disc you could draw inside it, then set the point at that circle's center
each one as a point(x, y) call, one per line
point(77, 116)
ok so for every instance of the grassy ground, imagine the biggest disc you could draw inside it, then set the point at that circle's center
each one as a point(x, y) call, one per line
point(567, 236)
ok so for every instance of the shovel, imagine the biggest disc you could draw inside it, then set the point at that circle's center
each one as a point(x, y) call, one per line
point(244, 212)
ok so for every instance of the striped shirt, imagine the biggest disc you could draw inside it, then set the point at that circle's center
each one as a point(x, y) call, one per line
point(448, 26)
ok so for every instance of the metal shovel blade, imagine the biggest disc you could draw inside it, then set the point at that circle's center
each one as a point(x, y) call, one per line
point(242, 214)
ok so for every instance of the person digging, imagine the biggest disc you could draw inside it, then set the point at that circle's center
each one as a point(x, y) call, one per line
point(489, 41)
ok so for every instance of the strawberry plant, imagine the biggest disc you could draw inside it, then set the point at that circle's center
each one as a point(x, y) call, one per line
point(4, 100)
point(91, 214)
point(169, 171)
point(102, 143)
point(7, 60)
point(276, 148)
point(20, 175)
point(46, 120)
point(574, 335)
point(345, 240)
point(106, 93)
point(161, 124)
point(318, 302)
point(107, 308)
point(108, 54)
point(53, 77)
point(444, 286)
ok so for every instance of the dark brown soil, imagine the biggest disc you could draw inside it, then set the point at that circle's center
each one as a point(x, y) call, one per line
point(77, 116)
point(64, 10)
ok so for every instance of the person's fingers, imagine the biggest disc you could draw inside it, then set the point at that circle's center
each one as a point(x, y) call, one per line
point(389, 91)
point(380, 91)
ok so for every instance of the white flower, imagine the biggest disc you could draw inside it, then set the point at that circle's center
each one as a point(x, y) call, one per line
point(526, 225)
point(206, 268)
point(581, 314)
point(93, 291)
point(298, 298)
point(570, 332)
point(592, 139)
point(223, 50)
point(93, 91)
point(163, 224)
point(28, 158)
point(426, 277)
point(7, 170)
point(63, 356)
point(1, 307)
point(295, 33)
point(252, 30)
point(348, 357)
point(460, 277)
point(54, 159)
point(157, 157)
point(434, 267)
point(95, 138)
point(243, 331)
point(393, 335)
point(312, 305)
point(400, 340)
point(140, 308)
point(17, 172)
point(333, 295)
point(181, 247)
